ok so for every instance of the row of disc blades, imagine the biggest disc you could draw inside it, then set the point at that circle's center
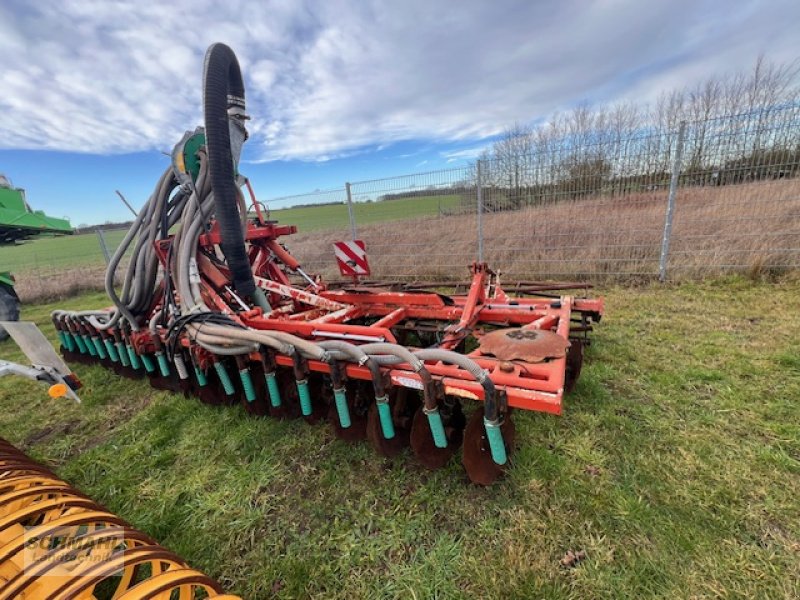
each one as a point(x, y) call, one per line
point(409, 420)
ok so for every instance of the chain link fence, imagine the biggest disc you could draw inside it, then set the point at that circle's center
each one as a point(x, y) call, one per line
point(709, 197)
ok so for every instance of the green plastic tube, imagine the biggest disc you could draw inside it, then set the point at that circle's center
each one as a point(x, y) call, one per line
point(70, 342)
point(99, 346)
point(227, 384)
point(134, 358)
point(111, 351)
point(437, 428)
point(89, 345)
point(385, 414)
point(495, 438)
point(81, 343)
point(163, 366)
point(305, 398)
point(201, 377)
point(62, 339)
point(123, 354)
point(341, 408)
point(148, 363)
point(247, 384)
point(272, 388)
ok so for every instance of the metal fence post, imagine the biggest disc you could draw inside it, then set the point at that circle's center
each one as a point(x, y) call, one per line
point(103, 246)
point(479, 185)
point(673, 192)
point(352, 216)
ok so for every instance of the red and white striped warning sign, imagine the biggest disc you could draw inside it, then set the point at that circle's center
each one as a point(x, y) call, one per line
point(352, 258)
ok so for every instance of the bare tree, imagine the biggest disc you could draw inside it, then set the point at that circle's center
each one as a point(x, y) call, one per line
point(513, 155)
point(630, 146)
point(703, 102)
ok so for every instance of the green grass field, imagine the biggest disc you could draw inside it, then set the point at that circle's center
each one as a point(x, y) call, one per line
point(312, 218)
point(78, 250)
point(52, 252)
point(675, 467)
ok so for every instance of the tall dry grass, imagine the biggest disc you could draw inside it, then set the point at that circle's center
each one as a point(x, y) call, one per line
point(749, 228)
point(742, 228)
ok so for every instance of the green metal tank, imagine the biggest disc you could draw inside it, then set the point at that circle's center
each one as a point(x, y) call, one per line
point(18, 223)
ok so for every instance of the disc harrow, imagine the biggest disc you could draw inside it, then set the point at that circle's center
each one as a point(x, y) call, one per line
point(213, 304)
point(55, 543)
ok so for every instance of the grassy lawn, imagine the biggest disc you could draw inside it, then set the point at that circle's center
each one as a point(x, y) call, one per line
point(675, 467)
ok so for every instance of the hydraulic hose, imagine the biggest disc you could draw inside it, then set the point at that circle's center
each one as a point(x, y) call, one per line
point(304, 347)
point(245, 336)
point(490, 395)
point(491, 419)
point(223, 90)
point(354, 353)
point(345, 351)
point(402, 353)
point(447, 356)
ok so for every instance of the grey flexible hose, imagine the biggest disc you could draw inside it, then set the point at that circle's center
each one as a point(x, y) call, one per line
point(401, 352)
point(447, 356)
point(346, 351)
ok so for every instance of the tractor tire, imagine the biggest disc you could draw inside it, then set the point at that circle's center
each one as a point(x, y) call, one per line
point(9, 308)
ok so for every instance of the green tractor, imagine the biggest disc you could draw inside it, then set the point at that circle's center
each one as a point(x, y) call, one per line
point(19, 223)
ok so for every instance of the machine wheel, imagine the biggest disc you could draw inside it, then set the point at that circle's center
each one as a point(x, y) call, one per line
point(9, 307)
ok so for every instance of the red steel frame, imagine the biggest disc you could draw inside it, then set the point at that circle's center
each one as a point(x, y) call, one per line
point(320, 314)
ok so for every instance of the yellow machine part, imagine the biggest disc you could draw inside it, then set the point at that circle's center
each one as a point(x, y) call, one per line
point(55, 543)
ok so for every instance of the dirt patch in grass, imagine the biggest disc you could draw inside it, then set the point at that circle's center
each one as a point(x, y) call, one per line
point(47, 433)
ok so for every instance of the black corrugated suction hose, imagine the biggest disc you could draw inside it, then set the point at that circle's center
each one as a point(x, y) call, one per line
point(223, 88)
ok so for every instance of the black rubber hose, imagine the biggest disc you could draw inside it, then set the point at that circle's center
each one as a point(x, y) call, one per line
point(223, 88)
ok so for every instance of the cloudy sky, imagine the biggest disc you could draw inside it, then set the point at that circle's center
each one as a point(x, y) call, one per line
point(95, 90)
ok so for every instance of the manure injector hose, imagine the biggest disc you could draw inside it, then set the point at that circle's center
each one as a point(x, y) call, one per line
point(169, 303)
point(57, 544)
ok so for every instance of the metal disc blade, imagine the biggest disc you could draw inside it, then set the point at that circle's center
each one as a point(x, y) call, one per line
point(132, 373)
point(422, 441)
point(358, 417)
point(530, 345)
point(476, 456)
point(574, 365)
point(187, 388)
point(290, 400)
point(260, 406)
point(76, 357)
point(211, 393)
point(388, 448)
point(67, 355)
point(403, 403)
point(319, 407)
point(168, 384)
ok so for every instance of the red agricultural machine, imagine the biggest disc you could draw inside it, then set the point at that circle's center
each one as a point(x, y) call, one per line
point(213, 304)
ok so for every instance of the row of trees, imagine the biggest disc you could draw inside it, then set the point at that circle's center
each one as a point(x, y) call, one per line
point(740, 127)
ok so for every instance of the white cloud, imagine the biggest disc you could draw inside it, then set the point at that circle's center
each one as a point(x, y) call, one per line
point(328, 78)
point(465, 154)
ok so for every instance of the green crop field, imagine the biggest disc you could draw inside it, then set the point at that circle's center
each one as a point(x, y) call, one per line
point(49, 252)
point(334, 216)
point(675, 468)
point(84, 249)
